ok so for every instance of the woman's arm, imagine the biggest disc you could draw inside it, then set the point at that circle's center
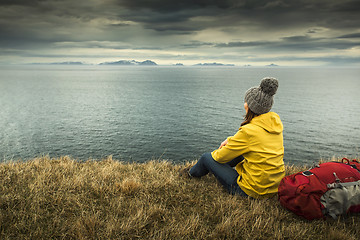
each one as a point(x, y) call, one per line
point(232, 147)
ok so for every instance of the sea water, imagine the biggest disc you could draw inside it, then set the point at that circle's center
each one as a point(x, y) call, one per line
point(177, 113)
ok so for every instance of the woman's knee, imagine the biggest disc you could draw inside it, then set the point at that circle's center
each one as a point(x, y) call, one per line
point(206, 157)
point(201, 168)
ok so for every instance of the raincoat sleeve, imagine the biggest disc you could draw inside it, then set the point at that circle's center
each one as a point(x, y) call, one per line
point(237, 145)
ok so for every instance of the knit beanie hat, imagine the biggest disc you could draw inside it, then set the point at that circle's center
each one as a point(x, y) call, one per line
point(260, 99)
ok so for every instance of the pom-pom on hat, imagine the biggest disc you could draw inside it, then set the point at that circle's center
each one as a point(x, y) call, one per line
point(260, 99)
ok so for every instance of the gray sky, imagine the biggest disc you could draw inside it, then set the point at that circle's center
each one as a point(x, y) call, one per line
point(256, 32)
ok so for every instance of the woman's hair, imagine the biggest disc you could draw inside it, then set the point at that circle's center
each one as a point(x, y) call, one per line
point(248, 117)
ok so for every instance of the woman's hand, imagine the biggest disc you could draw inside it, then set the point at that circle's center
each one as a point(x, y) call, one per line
point(223, 143)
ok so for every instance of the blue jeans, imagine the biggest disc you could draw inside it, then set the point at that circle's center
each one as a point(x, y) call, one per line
point(225, 173)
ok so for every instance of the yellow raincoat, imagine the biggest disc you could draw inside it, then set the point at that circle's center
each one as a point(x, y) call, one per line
point(260, 142)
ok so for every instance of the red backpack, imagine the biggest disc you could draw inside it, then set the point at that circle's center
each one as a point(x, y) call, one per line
point(331, 188)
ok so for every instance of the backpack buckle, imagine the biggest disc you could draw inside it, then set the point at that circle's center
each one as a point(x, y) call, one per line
point(337, 180)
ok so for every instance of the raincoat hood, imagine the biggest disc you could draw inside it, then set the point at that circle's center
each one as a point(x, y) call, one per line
point(269, 121)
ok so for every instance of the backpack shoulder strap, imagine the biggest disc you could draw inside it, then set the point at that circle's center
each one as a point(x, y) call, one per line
point(341, 185)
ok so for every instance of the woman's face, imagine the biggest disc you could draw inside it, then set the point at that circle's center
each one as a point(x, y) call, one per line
point(246, 107)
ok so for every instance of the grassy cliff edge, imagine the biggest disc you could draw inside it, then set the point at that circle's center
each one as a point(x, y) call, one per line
point(67, 199)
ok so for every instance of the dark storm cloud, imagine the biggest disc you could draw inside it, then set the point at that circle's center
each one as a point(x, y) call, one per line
point(27, 24)
point(196, 44)
point(351, 35)
point(173, 21)
point(294, 43)
point(307, 43)
point(19, 2)
point(163, 24)
point(274, 14)
point(177, 16)
point(174, 6)
point(245, 44)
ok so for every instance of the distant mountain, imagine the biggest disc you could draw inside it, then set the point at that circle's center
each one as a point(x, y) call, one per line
point(67, 63)
point(178, 64)
point(213, 64)
point(272, 65)
point(132, 62)
point(147, 62)
point(121, 62)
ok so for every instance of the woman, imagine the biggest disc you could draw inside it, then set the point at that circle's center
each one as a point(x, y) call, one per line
point(256, 150)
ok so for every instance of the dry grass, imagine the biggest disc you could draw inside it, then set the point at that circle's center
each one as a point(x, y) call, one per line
point(67, 199)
